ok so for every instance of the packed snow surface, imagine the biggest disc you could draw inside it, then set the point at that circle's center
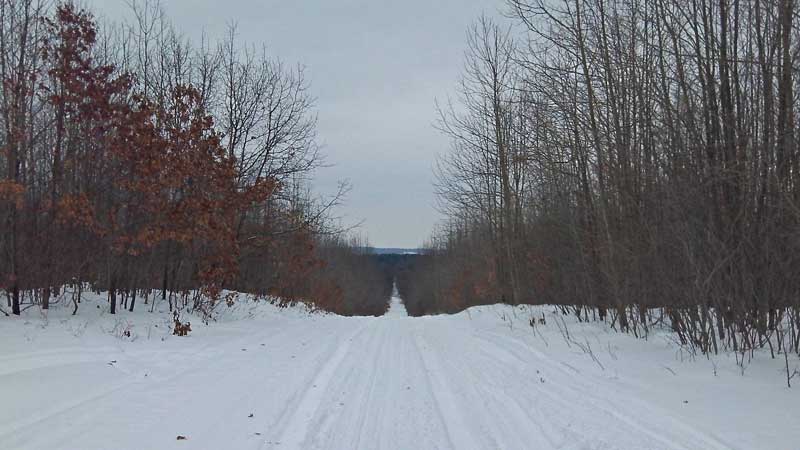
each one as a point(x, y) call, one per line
point(261, 377)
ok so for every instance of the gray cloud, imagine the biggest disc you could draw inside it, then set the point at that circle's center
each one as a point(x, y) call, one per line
point(376, 68)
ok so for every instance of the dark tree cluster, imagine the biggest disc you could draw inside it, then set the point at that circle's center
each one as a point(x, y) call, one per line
point(408, 270)
point(632, 161)
point(136, 163)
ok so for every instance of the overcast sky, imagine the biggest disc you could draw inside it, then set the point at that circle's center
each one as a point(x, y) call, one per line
point(376, 68)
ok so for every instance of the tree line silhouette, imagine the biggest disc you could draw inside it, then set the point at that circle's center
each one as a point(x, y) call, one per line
point(634, 162)
point(137, 163)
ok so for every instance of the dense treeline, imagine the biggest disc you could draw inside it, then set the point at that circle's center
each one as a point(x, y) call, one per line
point(141, 164)
point(413, 286)
point(633, 161)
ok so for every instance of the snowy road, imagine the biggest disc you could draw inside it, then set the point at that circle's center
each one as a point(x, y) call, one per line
point(327, 382)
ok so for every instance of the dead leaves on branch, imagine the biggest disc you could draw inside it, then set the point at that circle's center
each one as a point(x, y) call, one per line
point(141, 189)
point(168, 177)
point(12, 193)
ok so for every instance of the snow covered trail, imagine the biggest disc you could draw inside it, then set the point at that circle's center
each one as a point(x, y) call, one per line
point(283, 379)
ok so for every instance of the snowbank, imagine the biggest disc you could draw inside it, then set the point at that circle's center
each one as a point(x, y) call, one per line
point(265, 377)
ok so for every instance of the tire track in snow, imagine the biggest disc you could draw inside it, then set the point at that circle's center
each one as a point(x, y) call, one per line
point(458, 433)
point(500, 407)
point(584, 397)
point(17, 364)
point(557, 435)
point(297, 426)
point(368, 401)
point(585, 394)
point(501, 419)
point(352, 390)
point(207, 357)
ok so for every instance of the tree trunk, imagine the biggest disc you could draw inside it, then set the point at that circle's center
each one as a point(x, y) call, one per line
point(112, 295)
point(133, 300)
point(15, 300)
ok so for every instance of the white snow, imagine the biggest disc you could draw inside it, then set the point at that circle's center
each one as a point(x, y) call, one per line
point(482, 379)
